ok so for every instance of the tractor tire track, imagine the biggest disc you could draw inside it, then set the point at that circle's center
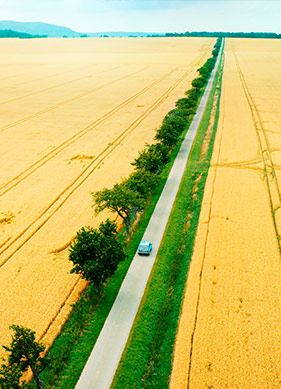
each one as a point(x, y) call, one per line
point(47, 157)
point(53, 87)
point(272, 185)
point(70, 100)
point(60, 200)
point(32, 168)
point(265, 151)
point(39, 78)
point(200, 276)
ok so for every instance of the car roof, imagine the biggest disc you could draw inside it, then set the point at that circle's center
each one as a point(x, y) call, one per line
point(145, 243)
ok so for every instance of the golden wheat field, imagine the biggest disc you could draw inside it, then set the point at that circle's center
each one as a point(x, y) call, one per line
point(74, 114)
point(229, 334)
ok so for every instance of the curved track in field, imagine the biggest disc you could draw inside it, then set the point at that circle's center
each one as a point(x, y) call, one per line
point(38, 78)
point(57, 203)
point(53, 87)
point(4, 188)
point(47, 157)
point(229, 331)
point(273, 186)
point(67, 101)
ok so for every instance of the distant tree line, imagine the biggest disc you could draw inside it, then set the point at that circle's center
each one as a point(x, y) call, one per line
point(17, 34)
point(268, 35)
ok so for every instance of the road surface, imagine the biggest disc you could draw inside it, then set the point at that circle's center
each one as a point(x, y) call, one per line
point(100, 368)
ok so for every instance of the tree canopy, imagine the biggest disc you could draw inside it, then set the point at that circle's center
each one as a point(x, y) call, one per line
point(152, 159)
point(142, 182)
point(24, 352)
point(10, 376)
point(95, 253)
point(120, 199)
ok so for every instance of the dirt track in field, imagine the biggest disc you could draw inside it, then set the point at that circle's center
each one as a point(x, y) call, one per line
point(229, 334)
point(74, 114)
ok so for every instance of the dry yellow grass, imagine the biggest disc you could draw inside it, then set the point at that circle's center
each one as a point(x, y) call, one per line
point(229, 333)
point(74, 113)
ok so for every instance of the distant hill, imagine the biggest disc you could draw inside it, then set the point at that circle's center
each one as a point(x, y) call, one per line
point(38, 28)
point(17, 34)
point(52, 30)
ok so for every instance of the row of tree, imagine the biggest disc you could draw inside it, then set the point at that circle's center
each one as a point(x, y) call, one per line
point(268, 35)
point(130, 196)
point(96, 253)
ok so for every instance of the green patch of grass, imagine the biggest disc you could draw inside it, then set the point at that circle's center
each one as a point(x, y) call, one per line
point(147, 358)
point(73, 346)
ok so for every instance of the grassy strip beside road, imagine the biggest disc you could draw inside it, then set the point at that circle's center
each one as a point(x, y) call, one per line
point(147, 359)
point(73, 346)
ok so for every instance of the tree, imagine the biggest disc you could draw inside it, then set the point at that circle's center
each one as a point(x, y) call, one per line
point(153, 158)
point(10, 376)
point(121, 200)
point(177, 121)
point(193, 95)
point(198, 82)
point(96, 253)
point(143, 182)
point(173, 125)
point(167, 135)
point(206, 69)
point(186, 106)
point(24, 353)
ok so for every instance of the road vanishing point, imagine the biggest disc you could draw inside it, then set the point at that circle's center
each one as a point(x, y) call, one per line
point(100, 368)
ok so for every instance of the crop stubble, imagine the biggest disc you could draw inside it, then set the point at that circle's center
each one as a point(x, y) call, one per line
point(74, 114)
point(229, 333)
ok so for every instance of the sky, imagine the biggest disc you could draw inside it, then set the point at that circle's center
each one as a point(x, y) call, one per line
point(149, 15)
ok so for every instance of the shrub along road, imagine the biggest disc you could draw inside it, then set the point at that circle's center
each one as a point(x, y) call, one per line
point(103, 361)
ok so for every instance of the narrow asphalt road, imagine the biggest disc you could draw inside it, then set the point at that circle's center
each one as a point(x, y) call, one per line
point(100, 368)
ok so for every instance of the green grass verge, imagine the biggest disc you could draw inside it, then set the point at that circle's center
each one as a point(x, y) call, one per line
point(147, 358)
point(73, 346)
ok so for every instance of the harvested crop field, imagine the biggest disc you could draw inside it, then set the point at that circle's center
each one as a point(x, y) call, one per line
point(74, 113)
point(229, 333)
